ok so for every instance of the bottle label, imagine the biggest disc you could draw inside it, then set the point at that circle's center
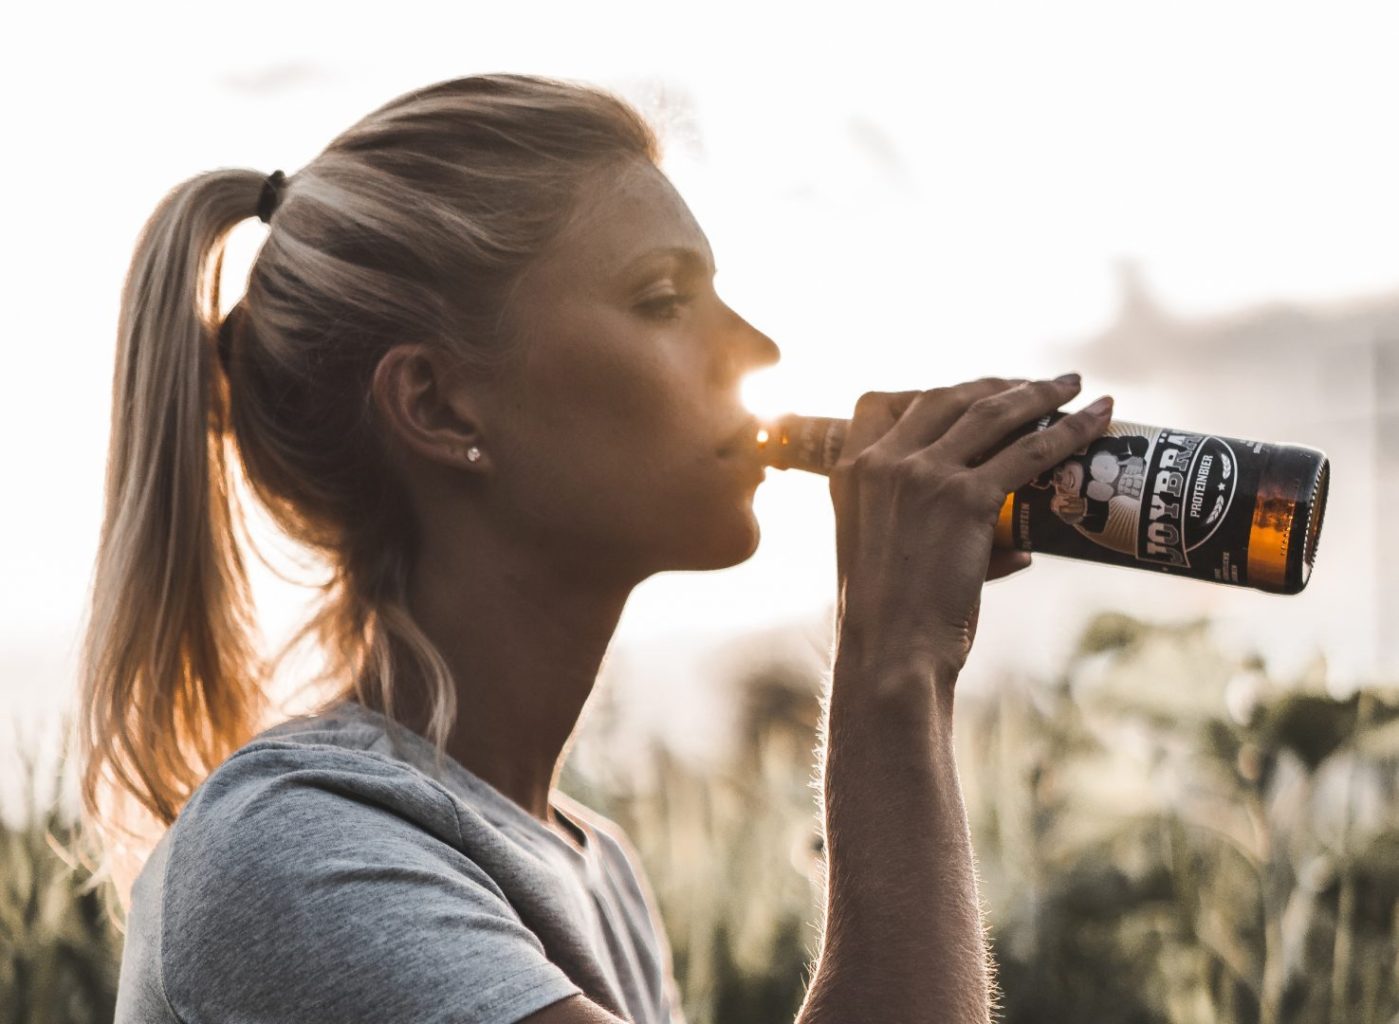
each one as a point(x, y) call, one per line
point(1146, 497)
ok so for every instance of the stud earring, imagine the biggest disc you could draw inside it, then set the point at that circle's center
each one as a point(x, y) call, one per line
point(473, 454)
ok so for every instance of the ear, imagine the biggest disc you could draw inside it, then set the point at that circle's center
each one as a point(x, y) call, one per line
point(428, 408)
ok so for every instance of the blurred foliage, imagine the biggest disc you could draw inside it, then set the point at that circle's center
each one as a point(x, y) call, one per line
point(60, 952)
point(1168, 834)
point(1164, 833)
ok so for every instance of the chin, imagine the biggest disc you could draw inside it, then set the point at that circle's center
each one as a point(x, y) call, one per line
point(733, 544)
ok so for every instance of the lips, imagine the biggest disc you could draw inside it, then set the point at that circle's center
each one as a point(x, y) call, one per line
point(743, 441)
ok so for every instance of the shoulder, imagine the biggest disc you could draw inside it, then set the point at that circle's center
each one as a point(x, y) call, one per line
point(307, 875)
point(283, 828)
point(276, 791)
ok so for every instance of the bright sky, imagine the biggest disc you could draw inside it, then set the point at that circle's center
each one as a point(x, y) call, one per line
point(899, 199)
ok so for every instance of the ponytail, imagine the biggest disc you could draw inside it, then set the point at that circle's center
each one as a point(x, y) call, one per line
point(170, 682)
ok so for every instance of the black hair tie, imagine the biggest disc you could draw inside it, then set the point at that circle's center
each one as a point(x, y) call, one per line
point(271, 196)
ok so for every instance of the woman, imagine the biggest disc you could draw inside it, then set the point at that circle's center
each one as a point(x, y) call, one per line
point(482, 370)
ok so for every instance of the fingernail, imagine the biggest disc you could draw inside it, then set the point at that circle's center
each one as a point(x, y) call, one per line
point(1101, 407)
point(1068, 378)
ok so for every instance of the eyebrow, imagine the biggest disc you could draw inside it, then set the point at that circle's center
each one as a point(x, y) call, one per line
point(692, 259)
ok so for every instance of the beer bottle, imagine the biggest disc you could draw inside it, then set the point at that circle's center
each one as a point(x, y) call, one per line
point(1221, 509)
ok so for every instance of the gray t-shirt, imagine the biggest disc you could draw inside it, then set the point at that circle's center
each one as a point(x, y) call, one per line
point(327, 872)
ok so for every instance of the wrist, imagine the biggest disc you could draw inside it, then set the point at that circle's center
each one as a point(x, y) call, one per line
point(893, 688)
point(891, 663)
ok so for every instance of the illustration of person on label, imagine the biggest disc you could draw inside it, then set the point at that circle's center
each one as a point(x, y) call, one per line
point(1086, 483)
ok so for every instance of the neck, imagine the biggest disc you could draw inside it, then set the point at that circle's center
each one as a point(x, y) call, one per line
point(524, 645)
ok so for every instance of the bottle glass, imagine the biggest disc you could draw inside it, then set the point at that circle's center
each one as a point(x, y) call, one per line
point(1220, 509)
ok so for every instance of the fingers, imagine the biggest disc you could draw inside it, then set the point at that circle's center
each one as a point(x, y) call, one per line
point(964, 421)
point(932, 413)
point(1041, 450)
point(992, 417)
point(875, 413)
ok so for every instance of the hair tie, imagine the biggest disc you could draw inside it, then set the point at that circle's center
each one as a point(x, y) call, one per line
point(271, 196)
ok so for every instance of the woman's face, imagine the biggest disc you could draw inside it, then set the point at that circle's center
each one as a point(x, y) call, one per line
point(616, 439)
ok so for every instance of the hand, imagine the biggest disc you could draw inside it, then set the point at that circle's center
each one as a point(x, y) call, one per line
point(916, 511)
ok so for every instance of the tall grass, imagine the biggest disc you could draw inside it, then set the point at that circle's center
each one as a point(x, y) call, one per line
point(1164, 834)
point(59, 949)
point(1168, 835)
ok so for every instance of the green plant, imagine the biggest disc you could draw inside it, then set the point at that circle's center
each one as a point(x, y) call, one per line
point(1168, 835)
point(59, 950)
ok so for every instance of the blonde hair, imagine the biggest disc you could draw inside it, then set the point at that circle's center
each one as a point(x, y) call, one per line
point(412, 225)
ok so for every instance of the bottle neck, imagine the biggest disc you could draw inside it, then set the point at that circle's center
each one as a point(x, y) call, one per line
point(810, 443)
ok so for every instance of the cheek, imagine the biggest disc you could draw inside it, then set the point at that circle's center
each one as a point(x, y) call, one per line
point(590, 433)
point(610, 451)
point(612, 386)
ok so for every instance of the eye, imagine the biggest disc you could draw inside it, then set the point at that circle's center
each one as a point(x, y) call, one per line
point(665, 307)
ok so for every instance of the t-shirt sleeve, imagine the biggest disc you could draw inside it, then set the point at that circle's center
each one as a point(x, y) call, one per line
point(337, 892)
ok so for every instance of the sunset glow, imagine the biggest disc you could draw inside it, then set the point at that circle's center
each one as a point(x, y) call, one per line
point(955, 202)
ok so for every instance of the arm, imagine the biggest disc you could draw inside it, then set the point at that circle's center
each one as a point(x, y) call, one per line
point(903, 929)
point(915, 521)
point(915, 516)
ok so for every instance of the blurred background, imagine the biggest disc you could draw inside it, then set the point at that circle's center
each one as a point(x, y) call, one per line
point(1183, 794)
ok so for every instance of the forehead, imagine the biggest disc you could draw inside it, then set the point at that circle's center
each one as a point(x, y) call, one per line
point(622, 218)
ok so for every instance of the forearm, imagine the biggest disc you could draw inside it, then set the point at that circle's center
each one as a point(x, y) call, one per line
point(903, 938)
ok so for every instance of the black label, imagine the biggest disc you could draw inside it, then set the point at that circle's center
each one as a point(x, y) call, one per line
point(1148, 498)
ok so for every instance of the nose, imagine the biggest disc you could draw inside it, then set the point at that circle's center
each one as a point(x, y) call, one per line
point(766, 351)
point(751, 348)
